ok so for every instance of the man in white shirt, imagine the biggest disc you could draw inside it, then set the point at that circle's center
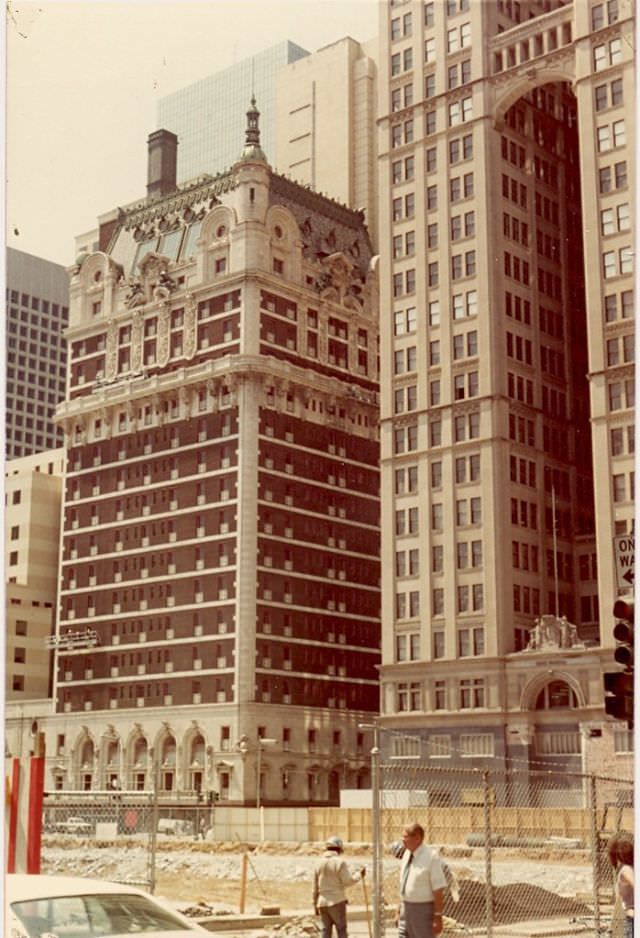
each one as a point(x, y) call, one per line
point(422, 884)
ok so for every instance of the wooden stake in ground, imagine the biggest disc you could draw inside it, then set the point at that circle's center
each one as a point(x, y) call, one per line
point(243, 881)
point(366, 905)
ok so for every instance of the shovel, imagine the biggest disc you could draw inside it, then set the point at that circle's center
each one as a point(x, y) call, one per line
point(366, 905)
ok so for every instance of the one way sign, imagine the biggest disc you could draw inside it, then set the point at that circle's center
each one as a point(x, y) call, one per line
point(624, 549)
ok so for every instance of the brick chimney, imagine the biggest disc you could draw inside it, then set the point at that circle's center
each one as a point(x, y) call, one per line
point(162, 165)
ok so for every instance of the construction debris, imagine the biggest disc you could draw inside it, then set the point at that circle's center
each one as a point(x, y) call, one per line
point(294, 927)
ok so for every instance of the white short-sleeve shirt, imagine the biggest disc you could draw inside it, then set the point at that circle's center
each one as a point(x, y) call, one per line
point(424, 877)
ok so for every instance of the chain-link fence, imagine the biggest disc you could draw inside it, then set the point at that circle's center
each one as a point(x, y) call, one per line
point(92, 820)
point(518, 846)
point(119, 832)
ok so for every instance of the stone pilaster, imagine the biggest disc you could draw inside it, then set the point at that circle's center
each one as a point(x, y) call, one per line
point(247, 539)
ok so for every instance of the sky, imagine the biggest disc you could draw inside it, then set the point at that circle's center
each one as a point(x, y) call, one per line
point(82, 84)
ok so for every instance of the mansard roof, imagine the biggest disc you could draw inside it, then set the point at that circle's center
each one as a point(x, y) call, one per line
point(327, 226)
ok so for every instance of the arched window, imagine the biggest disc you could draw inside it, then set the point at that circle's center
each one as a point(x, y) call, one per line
point(556, 695)
point(112, 764)
point(196, 764)
point(168, 764)
point(169, 751)
point(140, 759)
point(86, 765)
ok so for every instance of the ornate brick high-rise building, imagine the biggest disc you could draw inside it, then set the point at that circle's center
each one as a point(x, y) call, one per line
point(221, 517)
point(507, 389)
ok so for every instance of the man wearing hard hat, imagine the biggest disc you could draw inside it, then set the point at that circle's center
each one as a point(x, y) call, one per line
point(331, 878)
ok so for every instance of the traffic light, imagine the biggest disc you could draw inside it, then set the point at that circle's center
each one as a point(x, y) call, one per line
point(618, 690)
point(618, 685)
point(623, 632)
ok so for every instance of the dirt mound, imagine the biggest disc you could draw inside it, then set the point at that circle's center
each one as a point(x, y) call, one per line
point(515, 902)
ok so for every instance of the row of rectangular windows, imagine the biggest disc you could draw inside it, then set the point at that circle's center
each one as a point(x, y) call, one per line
point(460, 187)
point(34, 303)
point(470, 695)
point(46, 338)
point(459, 149)
point(467, 469)
point(18, 403)
point(470, 643)
point(441, 746)
point(402, 26)
point(463, 305)
point(459, 112)
point(32, 439)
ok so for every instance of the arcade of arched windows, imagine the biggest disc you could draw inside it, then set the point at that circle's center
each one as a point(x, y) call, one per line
point(110, 762)
point(185, 764)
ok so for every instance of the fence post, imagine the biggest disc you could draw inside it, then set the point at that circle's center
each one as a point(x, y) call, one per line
point(487, 853)
point(153, 837)
point(375, 830)
point(378, 919)
point(595, 850)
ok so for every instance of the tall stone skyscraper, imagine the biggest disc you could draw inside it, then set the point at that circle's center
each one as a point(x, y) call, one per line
point(506, 148)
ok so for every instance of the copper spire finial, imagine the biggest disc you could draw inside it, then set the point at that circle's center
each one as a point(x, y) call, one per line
point(252, 149)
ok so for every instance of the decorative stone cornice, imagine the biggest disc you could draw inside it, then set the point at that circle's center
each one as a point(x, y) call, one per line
point(214, 375)
point(530, 71)
point(203, 188)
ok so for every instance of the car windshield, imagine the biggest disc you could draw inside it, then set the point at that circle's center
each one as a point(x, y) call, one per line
point(94, 916)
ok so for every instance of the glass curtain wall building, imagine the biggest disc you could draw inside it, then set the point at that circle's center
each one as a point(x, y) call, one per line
point(208, 116)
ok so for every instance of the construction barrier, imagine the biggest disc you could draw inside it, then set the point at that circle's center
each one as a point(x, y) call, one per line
point(24, 787)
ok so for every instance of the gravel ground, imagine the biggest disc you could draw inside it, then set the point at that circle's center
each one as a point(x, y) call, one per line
point(281, 874)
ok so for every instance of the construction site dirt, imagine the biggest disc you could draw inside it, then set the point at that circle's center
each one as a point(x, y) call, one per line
point(207, 878)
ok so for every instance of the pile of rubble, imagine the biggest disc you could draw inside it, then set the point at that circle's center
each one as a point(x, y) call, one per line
point(292, 928)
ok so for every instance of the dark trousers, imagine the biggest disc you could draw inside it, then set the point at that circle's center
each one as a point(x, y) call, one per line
point(334, 915)
point(416, 920)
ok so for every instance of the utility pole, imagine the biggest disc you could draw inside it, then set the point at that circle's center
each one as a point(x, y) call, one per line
point(555, 549)
point(262, 741)
point(375, 827)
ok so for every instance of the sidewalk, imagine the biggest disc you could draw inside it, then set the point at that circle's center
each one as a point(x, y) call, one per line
point(254, 924)
point(259, 926)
